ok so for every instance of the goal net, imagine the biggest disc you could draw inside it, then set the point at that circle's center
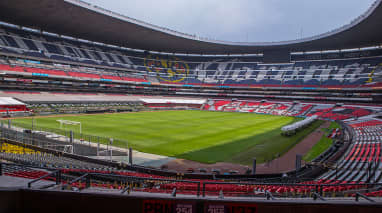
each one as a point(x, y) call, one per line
point(67, 122)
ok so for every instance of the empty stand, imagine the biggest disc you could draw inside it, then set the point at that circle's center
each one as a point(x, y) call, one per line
point(229, 71)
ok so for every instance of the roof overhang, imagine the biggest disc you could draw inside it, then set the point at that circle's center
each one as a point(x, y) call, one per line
point(81, 20)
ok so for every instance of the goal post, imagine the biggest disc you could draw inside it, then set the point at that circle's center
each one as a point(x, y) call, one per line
point(63, 122)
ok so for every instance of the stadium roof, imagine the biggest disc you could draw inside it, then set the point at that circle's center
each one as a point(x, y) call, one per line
point(82, 20)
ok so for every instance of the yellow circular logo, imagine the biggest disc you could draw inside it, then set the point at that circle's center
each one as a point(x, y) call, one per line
point(170, 69)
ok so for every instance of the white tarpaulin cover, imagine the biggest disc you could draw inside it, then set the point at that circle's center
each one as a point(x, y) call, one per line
point(10, 101)
point(299, 124)
point(174, 101)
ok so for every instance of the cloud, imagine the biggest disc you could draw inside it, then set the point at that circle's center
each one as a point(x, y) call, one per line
point(239, 20)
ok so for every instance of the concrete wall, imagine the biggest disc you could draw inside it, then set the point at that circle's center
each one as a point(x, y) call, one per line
point(29, 201)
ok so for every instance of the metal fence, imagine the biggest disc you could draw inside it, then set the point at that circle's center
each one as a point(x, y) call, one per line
point(66, 133)
point(61, 140)
point(123, 183)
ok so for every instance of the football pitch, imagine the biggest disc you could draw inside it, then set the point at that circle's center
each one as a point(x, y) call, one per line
point(202, 136)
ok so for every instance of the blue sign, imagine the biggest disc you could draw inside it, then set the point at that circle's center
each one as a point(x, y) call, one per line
point(40, 74)
point(102, 79)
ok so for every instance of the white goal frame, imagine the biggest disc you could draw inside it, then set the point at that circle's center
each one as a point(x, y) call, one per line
point(67, 148)
point(62, 122)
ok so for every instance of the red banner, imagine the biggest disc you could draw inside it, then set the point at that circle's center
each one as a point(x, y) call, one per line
point(230, 208)
point(167, 206)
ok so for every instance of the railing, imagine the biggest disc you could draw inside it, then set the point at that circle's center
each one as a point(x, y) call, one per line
point(144, 180)
point(269, 195)
point(58, 178)
point(311, 190)
point(317, 196)
point(357, 195)
point(85, 176)
point(67, 133)
point(61, 140)
point(139, 184)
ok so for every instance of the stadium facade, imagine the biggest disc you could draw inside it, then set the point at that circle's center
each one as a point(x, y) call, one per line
point(85, 64)
point(74, 49)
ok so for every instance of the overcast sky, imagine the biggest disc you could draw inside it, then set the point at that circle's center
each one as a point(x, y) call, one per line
point(242, 20)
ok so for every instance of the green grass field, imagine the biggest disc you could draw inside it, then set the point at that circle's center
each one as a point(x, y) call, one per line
point(322, 145)
point(201, 136)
